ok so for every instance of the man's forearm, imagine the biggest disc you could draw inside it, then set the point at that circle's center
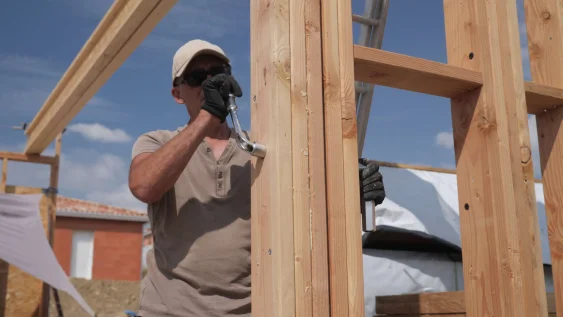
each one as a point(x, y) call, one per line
point(155, 174)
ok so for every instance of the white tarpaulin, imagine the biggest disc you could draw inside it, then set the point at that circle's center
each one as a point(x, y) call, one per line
point(424, 202)
point(23, 243)
point(427, 202)
point(390, 272)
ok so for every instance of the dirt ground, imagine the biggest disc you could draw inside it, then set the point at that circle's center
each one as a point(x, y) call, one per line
point(106, 298)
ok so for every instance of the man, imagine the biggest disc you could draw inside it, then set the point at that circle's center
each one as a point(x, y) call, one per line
point(196, 182)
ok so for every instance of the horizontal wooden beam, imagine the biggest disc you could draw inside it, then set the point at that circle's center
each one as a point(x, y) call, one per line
point(380, 67)
point(424, 168)
point(121, 31)
point(30, 158)
point(431, 303)
point(542, 98)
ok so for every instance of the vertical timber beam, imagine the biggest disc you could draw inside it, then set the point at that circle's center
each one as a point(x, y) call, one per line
point(52, 214)
point(317, 156)
point(272, 212)
point(502, 264)
point(544, 22)
point(306, 235)
point(341, 142)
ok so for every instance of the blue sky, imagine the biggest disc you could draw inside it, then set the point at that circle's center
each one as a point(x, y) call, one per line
point(38, 45)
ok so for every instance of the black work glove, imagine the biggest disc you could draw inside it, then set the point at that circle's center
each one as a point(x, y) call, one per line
point(371, 182)
point(216, 92)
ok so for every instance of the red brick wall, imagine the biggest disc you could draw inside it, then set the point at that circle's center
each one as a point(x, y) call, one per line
point(117, 246)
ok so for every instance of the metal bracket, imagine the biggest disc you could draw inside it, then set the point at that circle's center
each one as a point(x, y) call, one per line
point(50, 190)
point(255, 149)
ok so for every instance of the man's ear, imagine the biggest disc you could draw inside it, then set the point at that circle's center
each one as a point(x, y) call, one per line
point(176, 95)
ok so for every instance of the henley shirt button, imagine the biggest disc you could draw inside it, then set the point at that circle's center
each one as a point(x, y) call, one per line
point(208, 150)
point(220, 174)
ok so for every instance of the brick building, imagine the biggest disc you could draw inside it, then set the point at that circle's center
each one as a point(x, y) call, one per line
point(95, 241)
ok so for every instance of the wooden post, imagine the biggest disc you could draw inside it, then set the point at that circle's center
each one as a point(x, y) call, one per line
point(51, 197)
point(544, 23)
point(4, 179)
point(29, 296)
point(306, 247)
point(502, 264)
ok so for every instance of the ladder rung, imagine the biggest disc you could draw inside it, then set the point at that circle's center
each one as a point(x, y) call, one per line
point(364, 20)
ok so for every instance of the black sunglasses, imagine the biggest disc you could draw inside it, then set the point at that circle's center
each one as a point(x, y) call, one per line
point(196, 77)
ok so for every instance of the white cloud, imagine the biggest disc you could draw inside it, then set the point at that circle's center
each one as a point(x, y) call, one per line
point(27, 81)
point(28, 65)
point(191, 19)
point(101, 133)
point(119, 196)
point(445, 140)
point(95, 9)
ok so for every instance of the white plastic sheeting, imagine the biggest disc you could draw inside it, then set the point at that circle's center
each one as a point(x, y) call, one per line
point(427, 202)
point(423, 201)
point(23, 243)
point(390, 272)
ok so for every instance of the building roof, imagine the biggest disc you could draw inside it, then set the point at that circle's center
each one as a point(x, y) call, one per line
point(78, 208)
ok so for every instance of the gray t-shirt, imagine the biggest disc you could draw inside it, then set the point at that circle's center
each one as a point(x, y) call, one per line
point(200, 262)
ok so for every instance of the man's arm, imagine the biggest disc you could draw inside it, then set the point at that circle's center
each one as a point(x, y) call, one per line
point(153, 174)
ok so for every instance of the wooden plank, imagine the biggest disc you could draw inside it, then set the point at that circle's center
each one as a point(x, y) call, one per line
point(317, 157)
point(30, 158)
point(300, 211)
point(541, 98)
point(544, 22)
point(425, 168)
point(415, 74)
point(336, 203)
point(420, 75)
point(51, 205)
point(299, 151)
point(121, 31)
point(431, 304)
point(273, 286)
point(424, 303)
point(349, 138)
point(4, 179)
point(503, 272)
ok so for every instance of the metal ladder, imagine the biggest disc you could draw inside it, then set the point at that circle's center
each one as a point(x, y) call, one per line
point(371, 35)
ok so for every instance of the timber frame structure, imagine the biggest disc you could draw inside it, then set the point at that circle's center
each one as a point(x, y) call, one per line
point(21, 294)
point(307, 254)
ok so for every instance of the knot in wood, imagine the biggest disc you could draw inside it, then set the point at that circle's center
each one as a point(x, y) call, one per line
point(525, 154)
point(485, 125)
point(546, 15)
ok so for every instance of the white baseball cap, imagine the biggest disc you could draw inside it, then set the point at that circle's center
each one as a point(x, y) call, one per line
point(191, 49)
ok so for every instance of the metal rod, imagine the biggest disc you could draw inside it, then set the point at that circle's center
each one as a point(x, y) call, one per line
point(255, 149)
point(364, 20)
